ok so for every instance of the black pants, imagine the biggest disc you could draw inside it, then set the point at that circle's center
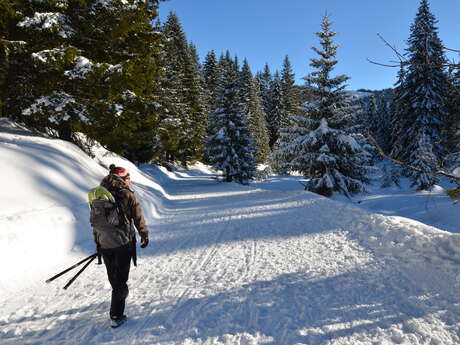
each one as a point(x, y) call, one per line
point(118, 262)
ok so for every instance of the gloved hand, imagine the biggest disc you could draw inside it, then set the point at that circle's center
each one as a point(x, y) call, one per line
point(144, 241)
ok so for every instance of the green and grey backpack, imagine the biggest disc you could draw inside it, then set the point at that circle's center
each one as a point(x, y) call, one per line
point(109, 224)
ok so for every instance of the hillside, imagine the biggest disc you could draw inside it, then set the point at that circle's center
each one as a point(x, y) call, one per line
point(228, 264)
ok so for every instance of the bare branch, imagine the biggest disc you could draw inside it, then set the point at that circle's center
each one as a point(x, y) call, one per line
point(403, 61)
point(450, 49)
point(398, 54)
point(381, 64)
point(408, 166)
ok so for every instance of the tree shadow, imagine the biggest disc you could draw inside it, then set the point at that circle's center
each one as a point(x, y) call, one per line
point(293, 308)
point(290, 309)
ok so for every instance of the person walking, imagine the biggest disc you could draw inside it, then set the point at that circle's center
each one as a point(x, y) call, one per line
point(115, 239)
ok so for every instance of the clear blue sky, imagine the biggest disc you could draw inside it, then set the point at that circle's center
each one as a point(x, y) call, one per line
point(265, 31)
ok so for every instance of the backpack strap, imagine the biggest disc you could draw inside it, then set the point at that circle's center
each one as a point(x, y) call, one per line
point(132, 234)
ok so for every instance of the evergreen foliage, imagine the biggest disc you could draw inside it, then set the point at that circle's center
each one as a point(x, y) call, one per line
point(211, 75)
point(9, 17)
point(87, 66)
point(290, 93)
point(253, 110)
point(182, 126)
point(319, 145)
point(421, 101)
point(452, 133)
point(276, 111)
point(229, 146)
point(264, 79)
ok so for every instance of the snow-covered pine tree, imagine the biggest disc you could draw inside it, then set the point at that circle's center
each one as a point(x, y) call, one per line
point(422, 105)
point(211, 75)
point(290, 93)
point(319, 144)
point(264, 79)
point(452, 134)
point(383, 114)
point(119, 73)
point(195, 97)
point(9, 17)
point(254, 113)
point(37, 90)
point(175, 122)
point(398, 111)
point(373, 122)
point(93, 67)
point(229, 146)
point(276, 115)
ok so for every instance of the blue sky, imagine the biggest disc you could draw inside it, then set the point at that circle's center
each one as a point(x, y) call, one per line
point(265, 31)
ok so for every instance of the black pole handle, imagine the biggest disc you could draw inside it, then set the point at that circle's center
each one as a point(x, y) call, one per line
point(71, 268)
point(79, 272)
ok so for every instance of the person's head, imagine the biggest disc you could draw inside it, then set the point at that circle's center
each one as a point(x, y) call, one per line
point(121, 172)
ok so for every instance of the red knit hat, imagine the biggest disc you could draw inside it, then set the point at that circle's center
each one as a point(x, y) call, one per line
point(122, 172)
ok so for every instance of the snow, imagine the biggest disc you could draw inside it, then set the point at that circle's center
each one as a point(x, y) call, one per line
point(82, 67)
point(56, 104)
point(47, 21)
point(111, 5)
point(49, 55)
point(228, 264)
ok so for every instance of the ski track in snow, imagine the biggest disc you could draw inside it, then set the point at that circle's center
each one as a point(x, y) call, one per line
point(231, 264)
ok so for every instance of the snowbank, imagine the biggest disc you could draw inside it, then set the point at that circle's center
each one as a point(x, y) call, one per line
point(43, 208)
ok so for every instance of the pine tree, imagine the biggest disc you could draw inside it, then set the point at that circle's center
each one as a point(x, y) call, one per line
point(422, 105)
point(252, 108)
point(290, 94)
point(229, 145)
point(93, 67)
point(319, 145)
point(211, 75)
point(36, 82)
point(124, 48)
point(195, 97)
point(264, 79)
point(276, 111)
point(183, 98)
point(399, 108)
point(452, 134)
point(9, 17)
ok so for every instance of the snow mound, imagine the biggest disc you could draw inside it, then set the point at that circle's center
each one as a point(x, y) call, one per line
point(43, 210)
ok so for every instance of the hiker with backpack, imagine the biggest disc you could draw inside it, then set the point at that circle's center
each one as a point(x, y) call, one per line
point(115, 212)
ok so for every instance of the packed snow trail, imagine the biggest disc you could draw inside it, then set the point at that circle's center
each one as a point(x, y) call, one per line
point(248, 265)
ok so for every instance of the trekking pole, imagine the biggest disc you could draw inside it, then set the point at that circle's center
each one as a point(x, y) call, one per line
point(79, 272)
point(71, 268)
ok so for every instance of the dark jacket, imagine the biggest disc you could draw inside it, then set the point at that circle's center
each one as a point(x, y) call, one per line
point(128, 202)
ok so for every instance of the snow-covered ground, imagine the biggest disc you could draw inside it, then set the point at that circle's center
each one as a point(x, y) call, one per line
point(228, 264)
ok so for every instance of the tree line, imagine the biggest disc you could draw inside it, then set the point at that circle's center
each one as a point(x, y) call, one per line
point(111, 70)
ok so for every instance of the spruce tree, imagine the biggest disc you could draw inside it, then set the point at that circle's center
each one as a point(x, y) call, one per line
point(276, 111)
point(123, 47)
point(10, 15)
point(319, 145)
point(229, 145)
point(264, 79)
point(195, 97)
point(422, 104)
point(452, 133)
point(290, 94)
point(252, 108)
point(36, 83)
point(93, 67)
point(182, 126)
point(211, 75)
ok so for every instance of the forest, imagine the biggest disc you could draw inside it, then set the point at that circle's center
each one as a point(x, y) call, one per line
point(111, 70)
